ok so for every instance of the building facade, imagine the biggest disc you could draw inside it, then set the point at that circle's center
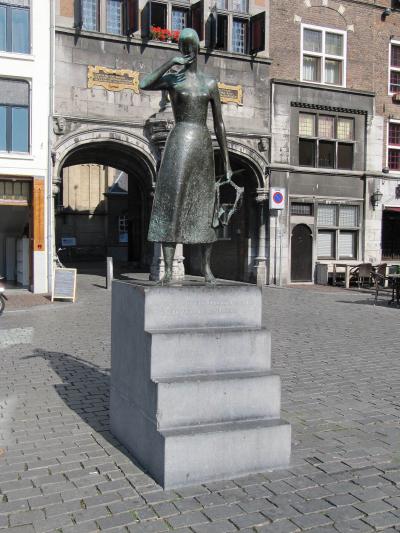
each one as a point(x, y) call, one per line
point(102, 117)
point(25, 65)
point(335, 135)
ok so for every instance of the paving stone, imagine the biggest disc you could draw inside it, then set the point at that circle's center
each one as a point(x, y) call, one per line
point(345, 513)
point(115, 521)
point(383, 520)
point(222, 526)
point(311, 521)
point(3, 521)
point(28, 517)
point(283, 526)
point(350, 526)
point(87, 527)
point(249, 520)
point(165, 509)
point(374, 507)
point(340, 500)
point(187, 519)
point(221, 512)
point(154, 526)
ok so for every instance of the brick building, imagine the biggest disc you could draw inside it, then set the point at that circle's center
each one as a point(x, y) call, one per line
point(335, 134)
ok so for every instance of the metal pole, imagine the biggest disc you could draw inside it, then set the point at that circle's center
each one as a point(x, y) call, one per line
point(110, 272)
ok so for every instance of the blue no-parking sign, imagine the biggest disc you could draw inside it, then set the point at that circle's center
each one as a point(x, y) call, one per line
point(277, 198)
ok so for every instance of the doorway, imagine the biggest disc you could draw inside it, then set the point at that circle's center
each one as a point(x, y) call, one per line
point(301, 254)
point(15, 231)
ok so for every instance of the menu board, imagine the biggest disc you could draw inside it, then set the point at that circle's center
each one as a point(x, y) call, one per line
point(64, 284)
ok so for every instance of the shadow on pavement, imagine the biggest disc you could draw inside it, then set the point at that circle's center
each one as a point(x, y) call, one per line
point(85, 389)
point(369, 302)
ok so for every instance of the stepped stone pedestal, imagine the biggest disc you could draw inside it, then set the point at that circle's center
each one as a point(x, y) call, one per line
point(192, 393)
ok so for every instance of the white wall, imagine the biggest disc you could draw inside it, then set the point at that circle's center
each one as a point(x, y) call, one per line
point(34, 68)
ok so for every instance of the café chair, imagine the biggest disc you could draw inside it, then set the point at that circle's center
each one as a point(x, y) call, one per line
point(363, 274)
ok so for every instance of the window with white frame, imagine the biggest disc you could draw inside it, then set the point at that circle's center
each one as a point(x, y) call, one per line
point(14, 115)
point(323, 56)
point(394, 71)
point(338, 231)
point(109, 16)
point(15, 26)
point(326, 141)
point(394, 146)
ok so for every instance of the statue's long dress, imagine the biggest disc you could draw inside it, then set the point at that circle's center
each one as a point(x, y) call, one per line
point(184, 200)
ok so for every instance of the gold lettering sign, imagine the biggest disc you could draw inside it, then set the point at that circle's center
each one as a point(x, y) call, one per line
point(231, 94)
point(113, 80)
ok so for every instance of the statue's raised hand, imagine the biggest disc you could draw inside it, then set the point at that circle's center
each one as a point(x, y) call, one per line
point(183, 60)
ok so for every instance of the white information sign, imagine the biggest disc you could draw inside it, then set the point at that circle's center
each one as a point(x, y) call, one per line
point(277, 198)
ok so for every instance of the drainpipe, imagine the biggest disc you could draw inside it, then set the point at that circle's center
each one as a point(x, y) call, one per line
point(50, 206)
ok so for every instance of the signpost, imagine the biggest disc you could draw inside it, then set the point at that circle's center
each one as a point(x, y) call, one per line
point(277, 198)
point(64, 284)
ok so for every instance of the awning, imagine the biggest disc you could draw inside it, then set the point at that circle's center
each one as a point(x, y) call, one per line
point(395, 209)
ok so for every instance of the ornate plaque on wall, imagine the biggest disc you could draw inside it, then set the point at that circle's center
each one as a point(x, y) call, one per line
point(231, 94)
point(113, 80)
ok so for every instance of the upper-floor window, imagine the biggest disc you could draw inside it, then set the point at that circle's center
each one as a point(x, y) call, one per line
point(394, 146)
point(394, 76)
point(326, 141)
point(109, 16)
point(235, 30)
point(171, 16)
point(14, 115)
point(323, 56)
point(15, 26)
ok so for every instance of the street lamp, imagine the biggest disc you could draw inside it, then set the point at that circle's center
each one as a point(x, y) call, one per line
point(376, 197)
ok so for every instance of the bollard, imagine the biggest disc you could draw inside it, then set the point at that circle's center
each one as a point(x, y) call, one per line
point(110, 272)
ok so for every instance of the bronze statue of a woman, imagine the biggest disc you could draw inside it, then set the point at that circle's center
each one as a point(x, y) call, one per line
point(184, 202)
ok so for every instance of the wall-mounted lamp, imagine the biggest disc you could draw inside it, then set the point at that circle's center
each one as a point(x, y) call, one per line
point(376, 198)
point(388, 11)
point(385, 170)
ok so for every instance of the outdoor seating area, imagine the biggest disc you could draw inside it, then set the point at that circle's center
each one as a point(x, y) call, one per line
point(382, 279)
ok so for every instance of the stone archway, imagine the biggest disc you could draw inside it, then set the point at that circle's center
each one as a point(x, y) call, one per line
point(128, 154)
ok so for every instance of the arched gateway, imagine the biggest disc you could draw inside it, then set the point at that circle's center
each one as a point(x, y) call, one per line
point(127, 207)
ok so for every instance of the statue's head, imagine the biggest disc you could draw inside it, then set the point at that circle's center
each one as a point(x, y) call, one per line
point(189, 41)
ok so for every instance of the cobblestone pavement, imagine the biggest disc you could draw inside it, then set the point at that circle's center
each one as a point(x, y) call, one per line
point(61, 470)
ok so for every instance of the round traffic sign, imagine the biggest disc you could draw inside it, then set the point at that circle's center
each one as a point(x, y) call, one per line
point(278, 197)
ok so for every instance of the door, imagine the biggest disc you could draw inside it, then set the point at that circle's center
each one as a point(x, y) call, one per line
point(301, 253)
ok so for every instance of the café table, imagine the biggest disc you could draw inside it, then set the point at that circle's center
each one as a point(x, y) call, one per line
point(347, 269)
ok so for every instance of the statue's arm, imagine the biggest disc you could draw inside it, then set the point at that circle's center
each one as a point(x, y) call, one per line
point(219, 127)
point(157, 80)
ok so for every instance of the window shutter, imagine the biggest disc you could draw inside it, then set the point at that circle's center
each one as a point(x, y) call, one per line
point(197, 19)
point(78, 14)
point(132, 16)
point(257, 33)
point(145, 20)
point(211, 28)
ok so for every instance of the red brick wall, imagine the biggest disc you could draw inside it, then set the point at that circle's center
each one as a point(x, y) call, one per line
point(368, 38)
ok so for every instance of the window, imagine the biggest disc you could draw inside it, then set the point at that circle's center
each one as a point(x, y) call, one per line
point(394, 71)
point(394, 146)
point(234, 30)
point(14, 116)
point(123, 226)
point(114, 16)
point(327, 140)
point(338, 231)
point(109, 16)
point(323, 56)
point(15, 27)
point(298, 208)
point(176, 18)
point(90, 14)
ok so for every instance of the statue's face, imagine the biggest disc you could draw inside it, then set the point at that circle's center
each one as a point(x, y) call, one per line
point(188, 46)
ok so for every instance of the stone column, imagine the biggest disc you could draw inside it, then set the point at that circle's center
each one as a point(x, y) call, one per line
point(157, 268)
point(261, 259)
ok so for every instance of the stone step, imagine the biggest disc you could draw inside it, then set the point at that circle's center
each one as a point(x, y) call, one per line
point(197, 351)
point(215, 398)
point(222, 451)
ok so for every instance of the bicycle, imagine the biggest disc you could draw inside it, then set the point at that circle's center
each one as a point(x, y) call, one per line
point(3, 297)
